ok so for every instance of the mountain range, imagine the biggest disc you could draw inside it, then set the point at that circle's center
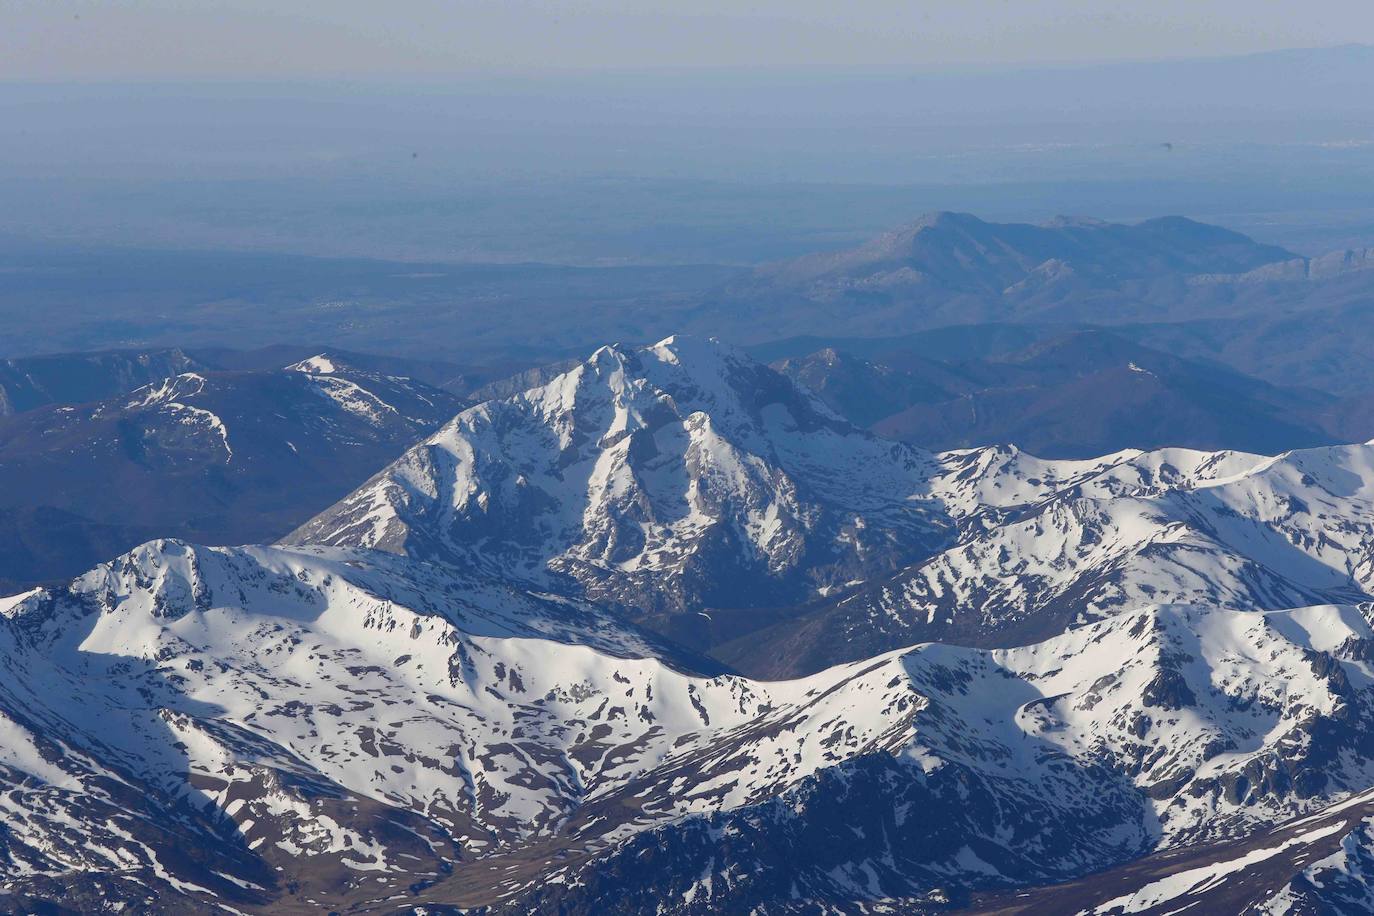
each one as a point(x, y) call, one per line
point(30, 382)
point(954, 268)
point(1009, 569)
point(521, 668)
point(703, 494)
point(228, 456)
point(1192, 290)
point(1073, 395)
point(959, 251)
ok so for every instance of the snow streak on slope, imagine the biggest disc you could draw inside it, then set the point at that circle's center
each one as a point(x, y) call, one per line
point(675, 475)
point(1317, 863)
point(169, 394)
point(1042, 546)
point(351, 724)
point(1235, 530)
point(441, 694)
point(684, 478)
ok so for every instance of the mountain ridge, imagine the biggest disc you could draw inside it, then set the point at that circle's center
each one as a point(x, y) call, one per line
point(455, 688)
point(706, 495)
point(663, 457)
point(231, 455)
point(961, 251)
point(1074, 394)
point(198, 637)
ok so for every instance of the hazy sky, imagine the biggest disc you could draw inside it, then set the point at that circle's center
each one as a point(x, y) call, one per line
point(238, 39)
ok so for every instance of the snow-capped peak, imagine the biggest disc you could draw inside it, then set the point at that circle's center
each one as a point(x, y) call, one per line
point(326, 715)
point(450, 688)
point(319, 364)
point(625, 473)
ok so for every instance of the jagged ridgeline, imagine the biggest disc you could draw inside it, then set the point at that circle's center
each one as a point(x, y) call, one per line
point(529, 667)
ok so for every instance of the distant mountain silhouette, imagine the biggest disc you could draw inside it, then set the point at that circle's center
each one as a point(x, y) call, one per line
point(1076, 395)
point(959, 251)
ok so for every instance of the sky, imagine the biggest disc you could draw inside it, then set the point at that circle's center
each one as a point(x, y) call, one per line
point(61, 40)
point(510, 129)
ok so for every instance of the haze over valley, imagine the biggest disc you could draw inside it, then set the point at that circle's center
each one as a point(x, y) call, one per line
point(778, 460)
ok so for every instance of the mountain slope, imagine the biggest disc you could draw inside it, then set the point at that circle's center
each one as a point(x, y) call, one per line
point(1036, 554)
point(1320, 863)
point(451, 690)
point(959, 251)
point(29, 382)
point(867, 392)
point(664, 479)
point(954, 268)
point(716, 501)
point(271, 728)
point(220, 456)
point(74, 378)
point(1014, 548)
point(1073, 396)
point(1162, 699)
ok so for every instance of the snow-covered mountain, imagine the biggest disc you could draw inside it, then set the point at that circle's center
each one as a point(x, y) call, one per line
point(1046, 545)
point(714, 498)
point(670, 478)
point(215, 456)
point(454, 688)
point(263, 726)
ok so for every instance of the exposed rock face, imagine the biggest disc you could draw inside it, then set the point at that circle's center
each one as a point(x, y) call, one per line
point(220, 457)
point(1045, 545)
point(706, 494)
point(260, 725)
point(444, 694)
point(666, 479)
